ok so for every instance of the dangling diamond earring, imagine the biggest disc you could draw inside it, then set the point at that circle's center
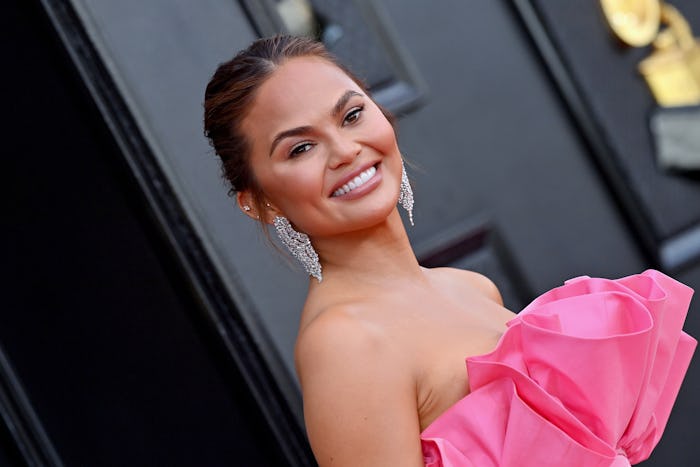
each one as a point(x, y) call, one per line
point(299, 246)
point(406, 194)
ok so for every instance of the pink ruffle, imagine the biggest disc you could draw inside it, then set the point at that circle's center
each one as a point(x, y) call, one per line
point(585, 375)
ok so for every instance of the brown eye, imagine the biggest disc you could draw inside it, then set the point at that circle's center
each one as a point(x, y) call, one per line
point(353, 116)
point(300, 148)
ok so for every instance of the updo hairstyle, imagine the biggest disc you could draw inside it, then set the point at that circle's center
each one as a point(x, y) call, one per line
point(231, 92)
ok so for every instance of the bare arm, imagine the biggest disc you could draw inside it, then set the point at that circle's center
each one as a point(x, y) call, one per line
point(359, 397)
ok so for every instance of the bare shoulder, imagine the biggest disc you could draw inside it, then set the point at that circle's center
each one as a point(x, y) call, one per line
point(478, 281)
point(359, 394)
point(341, 337)
point(335, 333)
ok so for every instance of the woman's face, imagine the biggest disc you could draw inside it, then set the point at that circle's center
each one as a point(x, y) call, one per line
point(313, 132)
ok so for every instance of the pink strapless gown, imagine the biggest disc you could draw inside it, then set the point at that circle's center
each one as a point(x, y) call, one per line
point(585, 375)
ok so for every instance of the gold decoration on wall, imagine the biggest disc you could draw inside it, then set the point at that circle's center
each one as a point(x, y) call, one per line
point(672, 71)
point(634, 22)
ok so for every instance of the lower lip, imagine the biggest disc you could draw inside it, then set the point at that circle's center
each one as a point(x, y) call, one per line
point(365, 188)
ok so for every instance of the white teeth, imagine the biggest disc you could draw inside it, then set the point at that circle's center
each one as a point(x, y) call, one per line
point(356, 182)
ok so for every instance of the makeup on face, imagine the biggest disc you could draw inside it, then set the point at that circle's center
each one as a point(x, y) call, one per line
point(319, 143)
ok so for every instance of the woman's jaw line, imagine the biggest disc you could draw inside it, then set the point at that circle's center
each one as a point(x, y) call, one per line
point(367, 249)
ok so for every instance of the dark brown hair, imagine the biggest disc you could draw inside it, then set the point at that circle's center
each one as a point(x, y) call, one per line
point(229, 96)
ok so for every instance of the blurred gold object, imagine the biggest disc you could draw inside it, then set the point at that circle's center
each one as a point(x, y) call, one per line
point(635, 22)
point(673, 69)
point(297, 16)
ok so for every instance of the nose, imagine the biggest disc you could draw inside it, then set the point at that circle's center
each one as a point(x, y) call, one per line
point(343, 150)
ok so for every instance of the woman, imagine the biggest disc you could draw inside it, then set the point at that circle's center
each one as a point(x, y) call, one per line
point(382, 341)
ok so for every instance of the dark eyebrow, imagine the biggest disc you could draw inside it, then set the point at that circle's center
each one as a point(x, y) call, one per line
point(301, 130)
point(338, 107)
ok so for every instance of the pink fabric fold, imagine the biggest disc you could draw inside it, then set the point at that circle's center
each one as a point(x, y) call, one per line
point(586, 375)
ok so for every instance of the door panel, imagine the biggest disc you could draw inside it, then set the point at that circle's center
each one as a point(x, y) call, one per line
point(503, 174)
point(111, 346)
point(615, 106)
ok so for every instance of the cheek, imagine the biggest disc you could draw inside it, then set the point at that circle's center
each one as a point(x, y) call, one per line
point(290, 182)
point(383, 136)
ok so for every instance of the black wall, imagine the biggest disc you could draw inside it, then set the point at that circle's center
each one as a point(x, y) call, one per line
point(100, 326)
point(109, 335)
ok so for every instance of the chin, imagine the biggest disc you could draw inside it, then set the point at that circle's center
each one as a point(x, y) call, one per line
point(375, 216)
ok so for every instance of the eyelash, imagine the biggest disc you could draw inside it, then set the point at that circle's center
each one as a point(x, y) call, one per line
point(351, 117)
point(298, 149)
point(354, 112)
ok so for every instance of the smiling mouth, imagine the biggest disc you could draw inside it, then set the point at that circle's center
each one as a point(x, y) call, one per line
point(356, 182)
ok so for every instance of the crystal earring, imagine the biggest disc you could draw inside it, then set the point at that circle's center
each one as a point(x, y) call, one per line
point(406, 194)
point(299, 246)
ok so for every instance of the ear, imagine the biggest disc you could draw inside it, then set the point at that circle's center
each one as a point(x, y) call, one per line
point(246, 204)
point(269, 214)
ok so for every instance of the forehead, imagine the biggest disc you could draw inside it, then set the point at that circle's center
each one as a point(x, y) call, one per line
point(296, 92)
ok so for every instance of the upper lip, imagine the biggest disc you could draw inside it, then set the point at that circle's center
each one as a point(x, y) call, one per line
point(351, 175)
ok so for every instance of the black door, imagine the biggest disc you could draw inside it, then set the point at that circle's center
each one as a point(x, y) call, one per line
point(516, 173)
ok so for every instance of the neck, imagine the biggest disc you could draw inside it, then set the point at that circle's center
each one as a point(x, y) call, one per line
point(376, 255)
